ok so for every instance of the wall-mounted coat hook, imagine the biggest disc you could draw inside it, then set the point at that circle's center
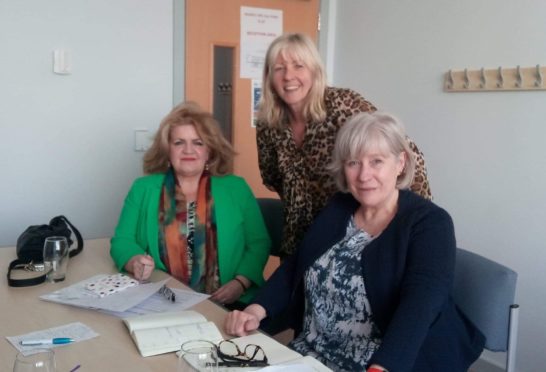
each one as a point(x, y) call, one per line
point(519, 77)
point(450, 79)
point(466, 84)
point(538, 81)
point(500, 78)
point(494, 80)
point(483, 80)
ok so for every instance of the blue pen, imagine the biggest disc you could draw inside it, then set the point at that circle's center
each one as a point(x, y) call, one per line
point(51, 341)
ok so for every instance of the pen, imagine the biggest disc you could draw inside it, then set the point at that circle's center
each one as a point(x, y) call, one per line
point(75, 368)
point(141, 280)
point(51, 341)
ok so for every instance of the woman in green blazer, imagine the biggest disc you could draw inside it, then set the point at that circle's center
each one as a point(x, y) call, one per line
point(190, 217)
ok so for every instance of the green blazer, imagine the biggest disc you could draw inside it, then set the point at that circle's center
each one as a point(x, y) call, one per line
point(243, 241)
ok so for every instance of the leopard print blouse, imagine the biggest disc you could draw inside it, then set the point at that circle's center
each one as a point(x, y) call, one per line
point(298, 174)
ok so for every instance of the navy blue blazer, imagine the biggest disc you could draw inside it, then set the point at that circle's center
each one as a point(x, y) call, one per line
point(408, 272)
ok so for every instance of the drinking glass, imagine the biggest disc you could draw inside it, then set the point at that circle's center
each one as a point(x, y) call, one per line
point(56, 258)
point(198, 355)
point(41, 360)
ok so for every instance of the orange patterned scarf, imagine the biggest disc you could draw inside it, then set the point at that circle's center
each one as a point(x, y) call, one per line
point(187, 234)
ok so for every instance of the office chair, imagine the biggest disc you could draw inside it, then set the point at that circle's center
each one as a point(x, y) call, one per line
point(273, 218)
point(485, 290)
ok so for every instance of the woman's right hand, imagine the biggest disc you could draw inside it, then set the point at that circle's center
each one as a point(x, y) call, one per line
point(240, 323)
point(141, 266)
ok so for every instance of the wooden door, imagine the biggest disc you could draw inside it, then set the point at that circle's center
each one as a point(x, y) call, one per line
point(213, 23)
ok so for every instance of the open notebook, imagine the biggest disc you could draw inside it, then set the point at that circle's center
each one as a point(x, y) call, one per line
point(164, 332)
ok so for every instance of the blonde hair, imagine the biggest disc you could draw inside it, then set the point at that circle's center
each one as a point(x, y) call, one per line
point(273, 110)
point(365, 131)
point(221, 153)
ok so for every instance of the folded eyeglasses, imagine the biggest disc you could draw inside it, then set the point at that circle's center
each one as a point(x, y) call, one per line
point(230, 355)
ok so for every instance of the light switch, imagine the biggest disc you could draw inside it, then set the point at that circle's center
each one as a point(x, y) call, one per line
point(61, 62)
point(142, 140)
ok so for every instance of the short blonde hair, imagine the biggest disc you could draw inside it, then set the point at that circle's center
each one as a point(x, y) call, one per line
point(221, 153)
point(273, 110)
point(365, 131)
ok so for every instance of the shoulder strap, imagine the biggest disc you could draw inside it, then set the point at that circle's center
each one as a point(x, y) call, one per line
point(21, 265)
point(73, 252)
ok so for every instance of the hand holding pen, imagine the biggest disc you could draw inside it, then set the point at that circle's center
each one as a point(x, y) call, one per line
point(147, 267)
point(141, 266)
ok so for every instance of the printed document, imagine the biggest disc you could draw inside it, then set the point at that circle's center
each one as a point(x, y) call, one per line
point(78, 295)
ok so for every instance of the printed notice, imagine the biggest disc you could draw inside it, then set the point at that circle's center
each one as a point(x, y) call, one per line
point(259, 27)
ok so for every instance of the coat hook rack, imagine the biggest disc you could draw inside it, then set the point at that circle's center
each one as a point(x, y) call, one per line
point(498, 79)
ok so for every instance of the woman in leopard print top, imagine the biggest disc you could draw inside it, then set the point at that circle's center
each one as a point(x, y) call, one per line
point(298, 122)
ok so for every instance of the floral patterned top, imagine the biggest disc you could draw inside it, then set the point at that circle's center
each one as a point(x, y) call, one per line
point(338, 327)
point(298, 174)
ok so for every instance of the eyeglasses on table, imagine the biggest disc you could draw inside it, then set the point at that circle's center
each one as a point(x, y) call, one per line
point(231, 355)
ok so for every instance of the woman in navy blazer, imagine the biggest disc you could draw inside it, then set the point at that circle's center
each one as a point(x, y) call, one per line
point(370, 285)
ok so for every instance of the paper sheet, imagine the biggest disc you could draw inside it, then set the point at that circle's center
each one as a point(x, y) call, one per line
point(77, 331)
point(304, 364)
point(157, 303)
point(259, 27)
point(288, 368)
point(78, 295)
point(281, 358)
point(276, 352)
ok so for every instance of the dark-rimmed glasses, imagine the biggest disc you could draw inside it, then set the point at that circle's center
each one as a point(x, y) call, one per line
point(231, 355)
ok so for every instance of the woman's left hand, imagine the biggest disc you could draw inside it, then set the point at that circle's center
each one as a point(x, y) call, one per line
point(228, 293)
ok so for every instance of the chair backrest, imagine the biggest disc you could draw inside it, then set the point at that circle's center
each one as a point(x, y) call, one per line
point(485, 291)
point(272, 211)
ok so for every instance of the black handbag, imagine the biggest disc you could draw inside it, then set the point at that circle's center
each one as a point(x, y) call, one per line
point(30, 247)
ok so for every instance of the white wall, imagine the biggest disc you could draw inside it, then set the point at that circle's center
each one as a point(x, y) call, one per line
point(66, 143)
point(485, 151)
